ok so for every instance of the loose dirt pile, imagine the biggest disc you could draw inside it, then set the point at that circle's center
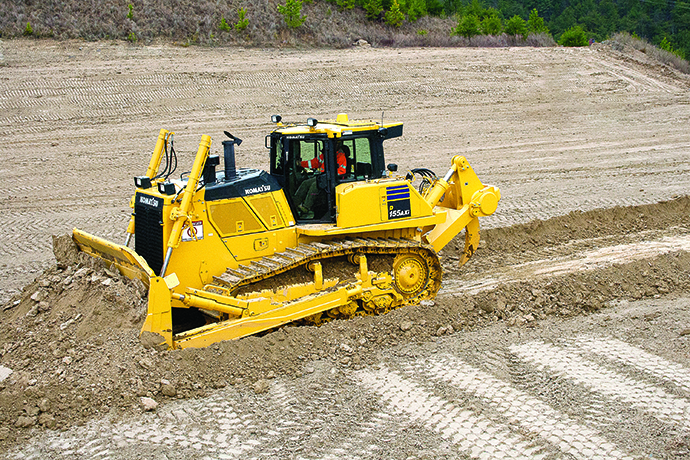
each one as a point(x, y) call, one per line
point(71, 337)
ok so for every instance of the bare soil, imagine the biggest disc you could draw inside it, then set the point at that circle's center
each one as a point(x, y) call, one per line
point(589, 147)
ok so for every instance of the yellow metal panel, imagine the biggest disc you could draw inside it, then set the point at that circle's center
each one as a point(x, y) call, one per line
point(365, 203)
point(266, 209)
point(257, 245)
point(130, 264)
point(225, 215)
point(455, 222)
point(283, 207)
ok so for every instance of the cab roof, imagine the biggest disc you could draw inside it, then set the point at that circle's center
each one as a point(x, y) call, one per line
point(341, 126)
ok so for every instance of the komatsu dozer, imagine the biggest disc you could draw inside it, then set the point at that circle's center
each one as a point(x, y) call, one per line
point(230, 253)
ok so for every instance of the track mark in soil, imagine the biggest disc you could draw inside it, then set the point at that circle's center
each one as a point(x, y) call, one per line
point(519, 408)
point(651, 399)
point(640, 359)
point(474, 434)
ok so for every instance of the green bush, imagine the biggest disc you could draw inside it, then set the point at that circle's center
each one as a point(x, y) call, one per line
point(535, 24)
point(468, 26)
point(130, 14)
point(666, 46)
point(345, 4)
point(415, 9)
point(394, 17)
point(422, 32)
point(491, 25)
point(574, 36)
point(28, 30)
point(224, 25)
point(373, 8)
point(131, 37)
point(242, 22)
point(292, 13)
point(516, 26)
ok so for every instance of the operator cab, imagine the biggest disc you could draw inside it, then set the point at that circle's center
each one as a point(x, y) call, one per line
point(306, 163)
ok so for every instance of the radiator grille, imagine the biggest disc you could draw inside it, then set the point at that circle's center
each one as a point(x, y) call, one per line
point(148, 231)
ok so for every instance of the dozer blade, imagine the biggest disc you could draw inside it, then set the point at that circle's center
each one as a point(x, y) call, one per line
point(125, 259)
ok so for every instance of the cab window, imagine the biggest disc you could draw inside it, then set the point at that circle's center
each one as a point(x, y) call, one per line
point(359, 159)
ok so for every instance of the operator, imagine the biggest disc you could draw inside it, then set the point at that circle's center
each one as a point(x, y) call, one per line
point(307, 192)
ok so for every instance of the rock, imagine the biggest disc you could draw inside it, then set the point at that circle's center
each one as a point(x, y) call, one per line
point(24, 422)
point(346, 348)
point(363, 43)
point(261, 386)
point(450, 329)
point(406, 325)
point(168, 390)
point(31, 411)
point(308, 370)
point(47, 420)
point(33, 311)
point(107, 282)
point(148, 404)
point(82, 272)
point(427, 303)
point(682, 333)
point(43, 306)
point(44, 405)
point(441, 330)
point(67, 360)
point(66, 324)
point(38, 296)
point(4, 372)
point(487, 306)
point(4, 433)
point(146, 363)
point(153, 340)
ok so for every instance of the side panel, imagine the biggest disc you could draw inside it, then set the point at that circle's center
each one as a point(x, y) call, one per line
point(380, 201)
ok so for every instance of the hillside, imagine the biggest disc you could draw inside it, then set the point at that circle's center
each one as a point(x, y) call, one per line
point(338, 23)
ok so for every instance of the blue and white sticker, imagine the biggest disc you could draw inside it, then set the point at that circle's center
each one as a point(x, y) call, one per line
point(398, 201)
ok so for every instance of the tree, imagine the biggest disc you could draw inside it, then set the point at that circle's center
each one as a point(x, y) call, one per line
point(535, 24)
point(242, 22)
point(394, 17)
point(516, 26)
point(492, 25)
point(415, 9)
point(574, 36)
point(291, 12)
point(373, 8)
point(468, 26)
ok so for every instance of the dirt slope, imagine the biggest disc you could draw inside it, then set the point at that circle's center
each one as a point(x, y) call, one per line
point(71, 338)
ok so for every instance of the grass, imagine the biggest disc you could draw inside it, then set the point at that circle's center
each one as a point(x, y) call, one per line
point(623, 40)
point(177, 20)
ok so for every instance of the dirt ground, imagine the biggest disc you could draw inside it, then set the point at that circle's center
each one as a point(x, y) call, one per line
point(589, 147)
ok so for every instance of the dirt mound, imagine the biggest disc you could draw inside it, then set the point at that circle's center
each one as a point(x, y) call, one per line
point(71, 337)
point(592, 224)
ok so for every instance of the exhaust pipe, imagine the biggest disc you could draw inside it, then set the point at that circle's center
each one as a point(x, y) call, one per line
point(229, 156)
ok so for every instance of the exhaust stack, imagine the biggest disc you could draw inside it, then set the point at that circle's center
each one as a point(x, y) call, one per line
point(229, 156)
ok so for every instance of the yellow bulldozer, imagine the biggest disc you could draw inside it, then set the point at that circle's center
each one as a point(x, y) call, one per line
point(234, 252)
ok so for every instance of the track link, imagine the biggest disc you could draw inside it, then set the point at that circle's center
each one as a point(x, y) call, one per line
point(414, 267)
